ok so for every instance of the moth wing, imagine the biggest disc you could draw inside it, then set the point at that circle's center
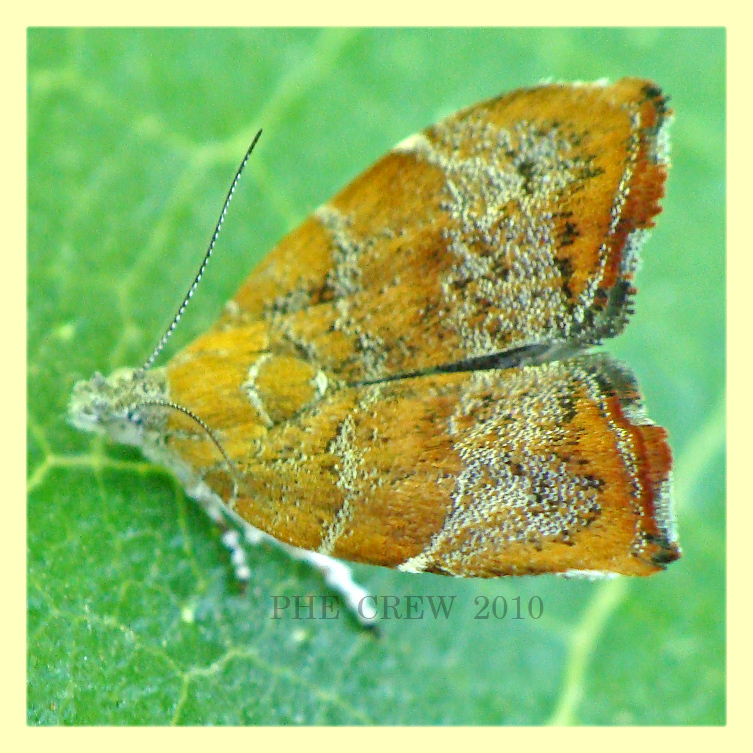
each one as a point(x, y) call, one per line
point(544, 468)
point(510, 225)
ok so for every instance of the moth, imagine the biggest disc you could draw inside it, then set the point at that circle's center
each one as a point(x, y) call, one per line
point(406, 380)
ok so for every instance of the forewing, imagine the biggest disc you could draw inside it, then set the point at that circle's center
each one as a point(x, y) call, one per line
point(513, 224)
point(548, 468)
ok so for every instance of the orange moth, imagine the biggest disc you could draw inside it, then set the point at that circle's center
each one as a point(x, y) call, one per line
point(406, 380)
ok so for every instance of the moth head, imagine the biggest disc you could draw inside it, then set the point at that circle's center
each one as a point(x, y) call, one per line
point(121, 406)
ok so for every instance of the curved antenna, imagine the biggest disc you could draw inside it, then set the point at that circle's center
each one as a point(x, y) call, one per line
point(175, 406)
point(161, 344)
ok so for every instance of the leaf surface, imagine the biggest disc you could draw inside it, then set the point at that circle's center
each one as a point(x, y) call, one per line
point(134, 617)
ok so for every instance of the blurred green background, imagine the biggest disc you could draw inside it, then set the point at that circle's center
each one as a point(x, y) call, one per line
point(134, 616)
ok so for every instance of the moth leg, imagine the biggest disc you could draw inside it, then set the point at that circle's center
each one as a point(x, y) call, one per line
point(231, 538)
point(336, 574)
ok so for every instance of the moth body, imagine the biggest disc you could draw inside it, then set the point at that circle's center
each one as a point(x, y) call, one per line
point(405, 380)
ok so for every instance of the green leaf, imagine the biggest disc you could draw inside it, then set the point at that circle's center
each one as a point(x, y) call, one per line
point(134, 616)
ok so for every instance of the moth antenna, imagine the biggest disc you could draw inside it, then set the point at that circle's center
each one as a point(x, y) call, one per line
point(175, 406)
point(161, 344)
